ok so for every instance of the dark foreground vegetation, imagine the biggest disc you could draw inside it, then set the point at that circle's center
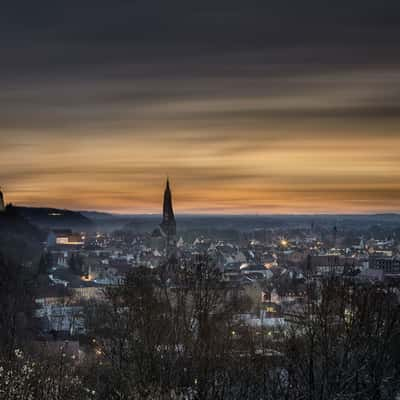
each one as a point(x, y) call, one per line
point(177, 334)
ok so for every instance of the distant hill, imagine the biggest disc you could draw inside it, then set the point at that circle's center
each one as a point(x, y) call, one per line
point(222, 226)
point(213, 225)
point(19, 239)
point(143, 223)
point(98, 215)
point(48, 218)
point(107, 221)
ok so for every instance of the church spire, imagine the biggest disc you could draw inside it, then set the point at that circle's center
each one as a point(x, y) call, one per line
point(168, 224)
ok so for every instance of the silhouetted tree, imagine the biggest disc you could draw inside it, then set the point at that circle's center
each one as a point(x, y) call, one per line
point(342, 345)
point(179, 333)
point(15, 304)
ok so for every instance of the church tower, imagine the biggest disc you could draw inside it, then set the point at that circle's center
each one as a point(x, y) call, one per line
point(168, 224)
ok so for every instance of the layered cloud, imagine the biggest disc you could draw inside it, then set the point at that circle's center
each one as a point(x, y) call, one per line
point(247, 108)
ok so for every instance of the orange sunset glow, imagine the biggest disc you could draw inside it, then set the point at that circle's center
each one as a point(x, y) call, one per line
point(261, 172)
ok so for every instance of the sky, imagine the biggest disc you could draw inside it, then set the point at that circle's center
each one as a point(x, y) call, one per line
point(248, 106)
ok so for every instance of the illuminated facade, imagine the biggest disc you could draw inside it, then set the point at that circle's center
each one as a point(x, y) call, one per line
point(64, 237)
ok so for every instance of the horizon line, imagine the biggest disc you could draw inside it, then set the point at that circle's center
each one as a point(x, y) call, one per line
point(234, 214)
